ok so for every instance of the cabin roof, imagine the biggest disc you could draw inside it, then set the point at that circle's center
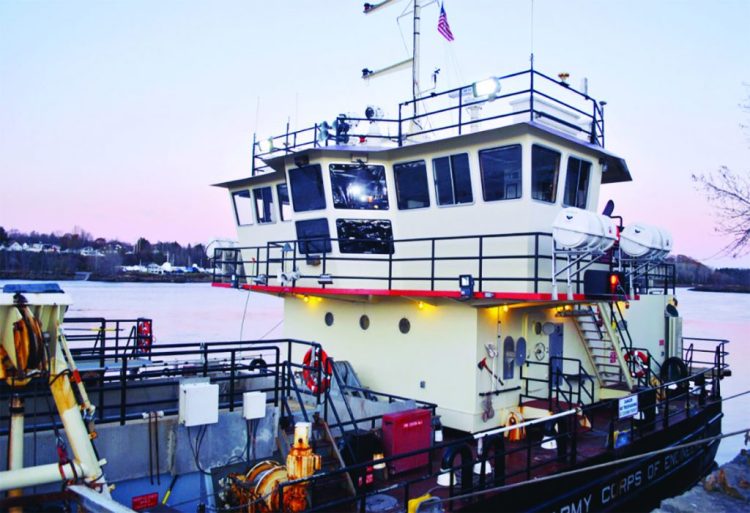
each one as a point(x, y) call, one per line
point(616, 170)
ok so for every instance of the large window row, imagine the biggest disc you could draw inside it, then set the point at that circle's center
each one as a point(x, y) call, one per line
point(257, 205)
point(363, 186)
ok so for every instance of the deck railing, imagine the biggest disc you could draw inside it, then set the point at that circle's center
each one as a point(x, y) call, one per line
point(523, 96)
point(495, 261)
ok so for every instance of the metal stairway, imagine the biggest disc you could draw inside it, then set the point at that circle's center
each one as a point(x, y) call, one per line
point(602, 343)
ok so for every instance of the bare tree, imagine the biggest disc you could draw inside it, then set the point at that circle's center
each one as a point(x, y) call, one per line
point(729, 193)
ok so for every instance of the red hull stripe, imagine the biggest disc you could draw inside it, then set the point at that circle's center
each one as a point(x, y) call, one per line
point(319, 291)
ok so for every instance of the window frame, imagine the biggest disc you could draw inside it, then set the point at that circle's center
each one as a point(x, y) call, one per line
point(351, 166)
point(249, 197)
point(290, 182)
point(557, 174)
point(272, 215)
point(453, 182)
point(588, 185)
point(426, 184)
point(283, 218)
point(520, 172)
point(388, 244)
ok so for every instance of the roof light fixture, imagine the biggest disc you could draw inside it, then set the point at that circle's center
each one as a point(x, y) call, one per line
point(488, 87)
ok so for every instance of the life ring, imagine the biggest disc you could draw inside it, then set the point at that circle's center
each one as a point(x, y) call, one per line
point(316, 359)
point(640, 359)
point(144, 336)
point(518, 434)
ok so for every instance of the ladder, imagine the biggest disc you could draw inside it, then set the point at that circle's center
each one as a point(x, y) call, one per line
point(603, 345)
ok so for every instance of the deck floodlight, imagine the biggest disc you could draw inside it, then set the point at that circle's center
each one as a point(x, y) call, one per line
point(325, 279)
point(261, 279)
point(488, 87)
point(266, 145)
point(466, 286)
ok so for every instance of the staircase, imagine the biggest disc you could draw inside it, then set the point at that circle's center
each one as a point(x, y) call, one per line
point(602, 343)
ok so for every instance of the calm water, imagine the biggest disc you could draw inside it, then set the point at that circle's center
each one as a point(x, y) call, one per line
point(198, 312)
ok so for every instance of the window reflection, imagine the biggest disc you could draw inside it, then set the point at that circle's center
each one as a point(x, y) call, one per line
point(373, 236)
point(359, 186)
point(501, 173)
point(263, 197)
point(452, 179)
point(307, 188)
point(577, 183)
point(545, 166)
point(243, 212)
point(285, 209)
point(411, 185)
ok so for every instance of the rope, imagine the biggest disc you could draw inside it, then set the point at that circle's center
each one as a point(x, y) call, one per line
point(619, 461)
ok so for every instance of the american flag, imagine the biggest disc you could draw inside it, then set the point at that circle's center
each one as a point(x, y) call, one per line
point(443, 26)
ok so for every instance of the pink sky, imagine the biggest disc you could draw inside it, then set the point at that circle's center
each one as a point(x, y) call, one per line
point(116, 116)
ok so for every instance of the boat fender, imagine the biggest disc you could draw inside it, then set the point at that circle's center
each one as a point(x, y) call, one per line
point(640, 362)
point(316, 360)
point(674, 369)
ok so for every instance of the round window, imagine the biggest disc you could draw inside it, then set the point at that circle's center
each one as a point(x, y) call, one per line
point(329, 319)
point(404, 325)
point(364, 322)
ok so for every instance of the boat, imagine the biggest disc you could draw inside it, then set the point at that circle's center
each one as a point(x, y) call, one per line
point(463, 331)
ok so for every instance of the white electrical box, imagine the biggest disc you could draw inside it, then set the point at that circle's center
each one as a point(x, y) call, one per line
point(199, 404)
point(253, 405)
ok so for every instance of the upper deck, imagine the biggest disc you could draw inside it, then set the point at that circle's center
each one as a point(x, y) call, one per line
point(464, 185)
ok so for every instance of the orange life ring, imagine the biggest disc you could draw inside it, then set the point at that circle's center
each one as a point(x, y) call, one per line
point(641, 362)
point(144, 336)
point(316, 360)
point(518, 434)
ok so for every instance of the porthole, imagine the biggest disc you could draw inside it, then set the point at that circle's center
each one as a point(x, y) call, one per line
point(329, 319)
point(364, 322)
point(404, 325)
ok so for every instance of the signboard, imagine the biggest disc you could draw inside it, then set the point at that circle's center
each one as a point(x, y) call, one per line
point(628, 406)
point(142, 502)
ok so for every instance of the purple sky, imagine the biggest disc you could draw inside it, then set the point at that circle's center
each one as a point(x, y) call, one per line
point(116, 116)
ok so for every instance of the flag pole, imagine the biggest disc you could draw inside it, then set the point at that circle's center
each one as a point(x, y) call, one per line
point(415, 57)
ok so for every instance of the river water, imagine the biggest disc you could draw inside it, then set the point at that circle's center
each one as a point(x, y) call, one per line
point(198, 312)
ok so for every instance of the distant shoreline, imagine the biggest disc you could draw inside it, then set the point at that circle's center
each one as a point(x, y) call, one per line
point(119, 278)
point(736, 289)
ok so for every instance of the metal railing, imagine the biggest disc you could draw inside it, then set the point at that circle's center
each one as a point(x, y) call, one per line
point(530, 95)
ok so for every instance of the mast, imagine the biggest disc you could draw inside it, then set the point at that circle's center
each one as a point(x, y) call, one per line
point(415, 56)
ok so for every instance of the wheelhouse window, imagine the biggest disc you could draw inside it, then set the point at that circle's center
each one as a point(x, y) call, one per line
point(243, 207)
point(359, 186)
point(545, 167)
point(263, 197)
point(411, 185)
point(373, 236)
point(452, 179)
point(314, 236)
point(307, 188)
point(501, 172)
point(577, 183)
point(285, 209)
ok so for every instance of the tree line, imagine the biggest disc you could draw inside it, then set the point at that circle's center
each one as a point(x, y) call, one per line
point(62, 254)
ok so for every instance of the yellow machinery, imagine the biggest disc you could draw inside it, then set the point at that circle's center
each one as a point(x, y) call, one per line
point(32, 346)
point(258, 489)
